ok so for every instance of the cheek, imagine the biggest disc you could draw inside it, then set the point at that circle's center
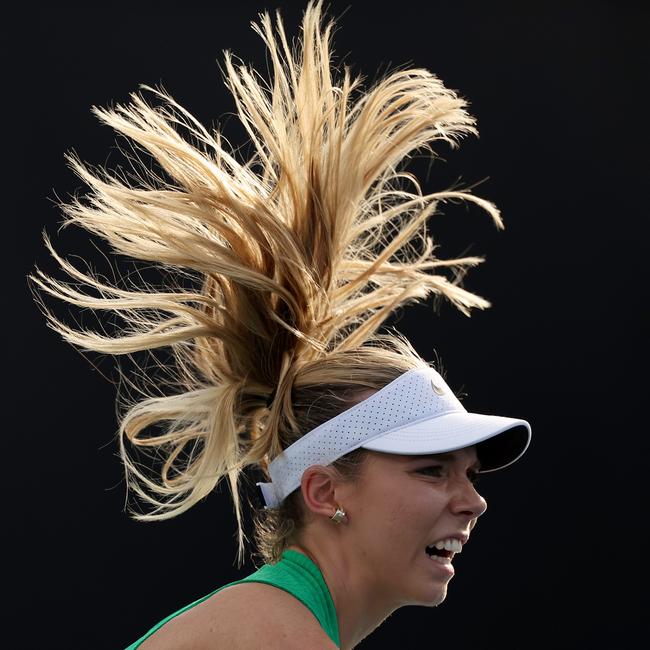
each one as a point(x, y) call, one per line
point(396, 523)
point(414, 516)
point(378, 519)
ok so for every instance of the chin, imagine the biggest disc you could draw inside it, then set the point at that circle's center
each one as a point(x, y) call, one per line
point(431, 600)
point(441, 598)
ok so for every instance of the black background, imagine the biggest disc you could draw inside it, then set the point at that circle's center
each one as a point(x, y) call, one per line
point(559, 92)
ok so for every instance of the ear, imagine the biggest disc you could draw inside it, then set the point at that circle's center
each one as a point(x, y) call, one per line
point(318, 485)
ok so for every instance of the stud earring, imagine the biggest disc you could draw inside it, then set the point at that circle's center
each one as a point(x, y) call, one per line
point(339, 516)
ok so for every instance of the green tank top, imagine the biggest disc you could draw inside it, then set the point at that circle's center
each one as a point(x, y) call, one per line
point(297, 575)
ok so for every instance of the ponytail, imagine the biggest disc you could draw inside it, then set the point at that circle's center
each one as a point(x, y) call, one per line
point(291, 262)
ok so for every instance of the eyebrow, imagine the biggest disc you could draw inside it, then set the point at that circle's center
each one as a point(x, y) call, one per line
point(444, 457)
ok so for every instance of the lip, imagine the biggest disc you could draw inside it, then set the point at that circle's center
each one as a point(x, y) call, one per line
point(462, 537)
point(447, 568)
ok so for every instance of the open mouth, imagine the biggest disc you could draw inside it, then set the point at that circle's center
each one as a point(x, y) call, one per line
point(444, 549)
point(439, 554)
point(432, 551)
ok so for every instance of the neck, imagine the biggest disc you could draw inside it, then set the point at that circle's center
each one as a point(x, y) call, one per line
point(360, 605)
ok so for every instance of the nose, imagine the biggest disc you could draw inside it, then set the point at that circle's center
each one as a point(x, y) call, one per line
point(466, 499)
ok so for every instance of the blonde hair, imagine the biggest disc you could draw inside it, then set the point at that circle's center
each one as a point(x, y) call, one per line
point(295, 258)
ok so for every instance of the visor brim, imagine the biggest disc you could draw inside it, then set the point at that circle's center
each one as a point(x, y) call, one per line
point(499, 440)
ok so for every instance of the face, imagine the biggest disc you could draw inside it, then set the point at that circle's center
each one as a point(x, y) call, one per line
point(401, 505)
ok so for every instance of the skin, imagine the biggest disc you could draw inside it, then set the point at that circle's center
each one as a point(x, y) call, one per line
point(375, 562)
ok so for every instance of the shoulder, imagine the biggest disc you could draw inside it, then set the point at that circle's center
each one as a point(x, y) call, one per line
point(246, 616)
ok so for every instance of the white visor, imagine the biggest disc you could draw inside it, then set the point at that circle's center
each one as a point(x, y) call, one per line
point(417, 413)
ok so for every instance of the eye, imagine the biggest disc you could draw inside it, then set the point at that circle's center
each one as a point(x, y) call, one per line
point(473, 476)
point(436, 469)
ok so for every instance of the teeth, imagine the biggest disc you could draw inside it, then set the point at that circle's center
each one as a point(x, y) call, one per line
point(451, 544)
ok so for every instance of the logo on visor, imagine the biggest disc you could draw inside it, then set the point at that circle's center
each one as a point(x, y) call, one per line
point(438, 390)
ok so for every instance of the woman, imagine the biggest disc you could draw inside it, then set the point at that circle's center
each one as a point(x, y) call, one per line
point(291, 262)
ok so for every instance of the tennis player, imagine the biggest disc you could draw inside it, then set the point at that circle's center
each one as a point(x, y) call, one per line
point(279, 272)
